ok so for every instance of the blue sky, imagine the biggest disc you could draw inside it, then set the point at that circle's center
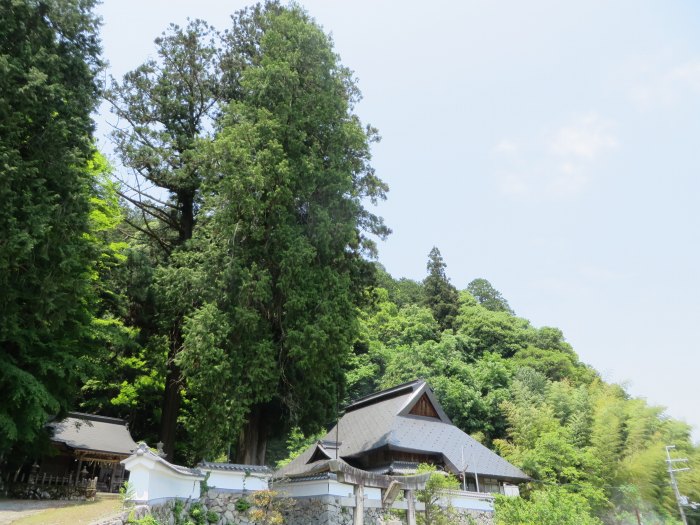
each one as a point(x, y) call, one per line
point(550, 147)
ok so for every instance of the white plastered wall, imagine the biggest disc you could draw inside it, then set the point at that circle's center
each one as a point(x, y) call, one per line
point(151, 480)
point(236, 480)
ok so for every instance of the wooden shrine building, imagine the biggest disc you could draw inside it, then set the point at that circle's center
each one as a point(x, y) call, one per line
point(393, 431)
point(89, 446)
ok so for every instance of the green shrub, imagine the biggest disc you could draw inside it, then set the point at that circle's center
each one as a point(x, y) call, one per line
point(242, 504)
point(146, 520)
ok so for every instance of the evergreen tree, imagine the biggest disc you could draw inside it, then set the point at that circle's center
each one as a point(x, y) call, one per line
point(439, 294)
point(48, 62)
point(165, 107)
point(286, 241)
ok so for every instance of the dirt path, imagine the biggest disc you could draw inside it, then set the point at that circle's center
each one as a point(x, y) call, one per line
point(51, 512)
point(13, 509)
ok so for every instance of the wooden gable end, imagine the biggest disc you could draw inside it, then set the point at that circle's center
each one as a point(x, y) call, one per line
point(424, 407)
point(318, 455)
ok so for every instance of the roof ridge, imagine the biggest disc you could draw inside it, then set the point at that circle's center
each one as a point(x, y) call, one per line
point(94, 417)
point(216, 465)
point(388, 393)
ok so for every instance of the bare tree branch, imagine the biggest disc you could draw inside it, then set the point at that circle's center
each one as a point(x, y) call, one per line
point(147, 231)
point(148, 196)
point(153, 211)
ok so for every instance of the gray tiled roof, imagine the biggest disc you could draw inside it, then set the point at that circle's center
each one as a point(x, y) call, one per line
point(234, 467)
point(313, 477)
point(383, 419)
point(94, 433)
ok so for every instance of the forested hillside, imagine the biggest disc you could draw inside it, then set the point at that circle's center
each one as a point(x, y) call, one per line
point(592, 450)
point(222, 293)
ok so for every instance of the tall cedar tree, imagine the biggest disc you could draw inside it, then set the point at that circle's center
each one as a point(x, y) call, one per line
point(439, 294)
point(48, 62)
point(286, 239)
point(165, 107)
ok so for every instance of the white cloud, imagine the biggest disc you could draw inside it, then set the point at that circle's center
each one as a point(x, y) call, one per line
point(599, 274)
point(545, 182)
point(557, 164)
point(515, 184)
point(666, 85)
point(687, 74)
point(586, 138)
point(506, 146)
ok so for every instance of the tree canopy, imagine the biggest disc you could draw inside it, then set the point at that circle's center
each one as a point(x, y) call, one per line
point(488, 296)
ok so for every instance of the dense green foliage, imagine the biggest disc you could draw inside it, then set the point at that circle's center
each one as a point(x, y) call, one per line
point(48, 62)
point(488, 296)
point(547, 507)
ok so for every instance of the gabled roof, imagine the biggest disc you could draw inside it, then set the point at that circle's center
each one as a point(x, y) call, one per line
point(94, 433)
point(384, 419)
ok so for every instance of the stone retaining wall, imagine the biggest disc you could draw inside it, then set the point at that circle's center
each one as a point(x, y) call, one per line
point(320, 510)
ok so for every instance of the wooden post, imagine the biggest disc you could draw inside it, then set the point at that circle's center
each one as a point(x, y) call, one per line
point(359, 517)
point(411, 512)
point(114, 475)
point(77, 474)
